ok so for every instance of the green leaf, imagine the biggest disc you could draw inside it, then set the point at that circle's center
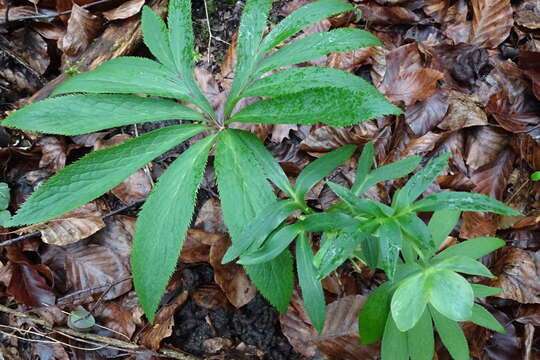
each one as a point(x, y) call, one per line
point(450, 294)
point(162, 225)
point(156, 37)
point(181, 37)
point(327, 221)
point(290, 81)
point(332, 106)
point(394, 344)
point(390, 239)
point(451, 335)
point(97, 172)
point(464, 265)
point(301, 18)
point(365, 163)
point(361, 206)
point(409, 302)
point(463, 201)
point(275, 245)
point(4, 196)
point(244, 193)
point(484, 291)
point(258, 230)
point(420, 181)
point(441, 225)
point(416, 229)
point(535, 176)
point(480, 316)
point(5, 217)
point(338, 251)
point(312, 291)
point(473, 248)
point(384, 173)
point(127, 75)
point(374, 313)
point(320, 168)
point(82, 114)
point(270, 166)
point(317, 45)
point(420, 338)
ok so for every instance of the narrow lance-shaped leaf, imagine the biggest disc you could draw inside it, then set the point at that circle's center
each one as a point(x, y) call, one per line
point(156, 37)
point(451, 335)
point(416, 229)
point(361, 206)
point(480, 316)
point(338, 251)
point(389, 239)
point(301, 18)
point(273, 246)
point(82, 114)
point(473, 248)
point(244, 193)
point(312, 291)
point(332, 106)
point(374, 313)
point(318, 169)
point(409, 302)
point(98, 172)
point(484, 291)
point(316, 45)
point(441, 225)
point(464, 201)
point(394, 344)
point(163, 222)
point(365, 163)
point(421, 339)
point(464, 265)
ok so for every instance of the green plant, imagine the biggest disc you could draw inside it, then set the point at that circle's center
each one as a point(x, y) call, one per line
point(107, 97)
point(423, 288)
point(535, 176)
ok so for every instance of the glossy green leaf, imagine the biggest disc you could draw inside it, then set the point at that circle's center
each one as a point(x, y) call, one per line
point(5, 217)
point(409, 302)
point(480, 316)
point(274, 245)
point(361, 206)
point(451, 335)
point(320, 168)
point(317, 45)
point(270, 166)
point(365, 163)
point(390, 239)
point(464, 265)
point(441, 225)
point(473, 248)
point(394, 343)
point(156, 37)
point(290, 81)
point(535, 176)
point(416, 229)
point(244, 194)
point(4, 196)
point(463, 201)
point(332, 106)
point(374, 313)
point(484, 291)
point(450, 294)
point(301, 18)
point(384, 173)
point(312, 291)
point(327, 221)
point(338, 251)
point(97, 172)
point(420, 181)
point(420, 338)
point(258, 230)
point(82, 114)
point(165, 216)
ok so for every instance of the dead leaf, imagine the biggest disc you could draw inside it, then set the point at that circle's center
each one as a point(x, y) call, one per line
point(54, 153)
point(527, 15)
point(492, 21)
point(152, 336)
point(210, 297)
point(297, 327)
point(484, 144)
point(194, 250)
point(529, 61)
point(326, 138)
point(31, 47)
point(385, 15)
point(124, 11)
point(82, 28)
point(115, 317)
point(71, 227)
point(210, 217)
point(463, 112)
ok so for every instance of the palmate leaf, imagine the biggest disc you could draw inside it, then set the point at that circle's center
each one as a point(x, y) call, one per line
point(463, 201)
point(338, 251)
point(163, 222)
point(317, 45)
point(361, 206)
point(332, 106)
point(301, 18)
point(312, 291)
point(244, 193)
point(416, 229)
point(389, 240)
point(128, 75)
point(97, 172)
point(82, 114)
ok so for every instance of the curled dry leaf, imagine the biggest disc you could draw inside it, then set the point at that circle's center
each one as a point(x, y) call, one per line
point(518, 275)
point(386, 15)
point(425, 115)
point(327, 138)
point(152, 335)
point(492, 22)
point(484, 144)
point(71, 227)
point(127, 9)
point(196, 246)
point(339, 339)
point(352, 60)
point(54, 153)
point(527, 15)
point(82, 28)
point(136, 186)
point(463, 111)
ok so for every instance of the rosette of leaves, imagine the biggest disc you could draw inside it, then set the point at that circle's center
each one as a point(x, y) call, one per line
point(132, 90)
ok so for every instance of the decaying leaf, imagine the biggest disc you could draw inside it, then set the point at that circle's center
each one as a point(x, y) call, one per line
point(127, 9)
point(297, 327)
point(462, 112)
point(82, 28)
point(492, 21)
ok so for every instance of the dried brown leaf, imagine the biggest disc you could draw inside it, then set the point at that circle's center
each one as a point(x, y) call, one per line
point(210, 217)
point(82, 28)
point(297, 328)
point(327, 138)
point(115, 317)
point(194, 249)
point(54, 153)
point(463, 111)
point(385, 15)
point(527, 15)
point(127, 9)
point(425, 115)
point(492, 22)
point(484, 144)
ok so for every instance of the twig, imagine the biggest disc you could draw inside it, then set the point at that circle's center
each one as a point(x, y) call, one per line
point(37, 233)
point(45, 16)
point(110, 342)
point(210, 35)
